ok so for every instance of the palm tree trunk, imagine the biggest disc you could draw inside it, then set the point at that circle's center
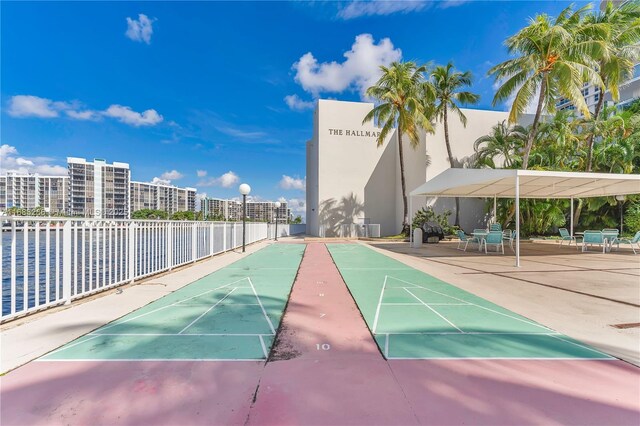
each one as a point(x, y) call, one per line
point(534, 126)
point(592, 135)
point(405, 221)
point(451, 163)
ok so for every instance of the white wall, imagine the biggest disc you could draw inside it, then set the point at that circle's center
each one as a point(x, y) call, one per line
point(349, 178)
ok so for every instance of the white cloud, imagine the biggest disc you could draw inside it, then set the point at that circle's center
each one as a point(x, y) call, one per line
point(32, 106)
point(358, 9)
point(288, 182)
point(201, 173)
point(126, 115)
point(22, 106)
point(82, 115)
point(227, 180)
point(360, 69)
point(238, 133)
point(10, 161)
point(172, 175)
point(297, 205)
point(160, 181)
point(295, 103)
point(140, 30)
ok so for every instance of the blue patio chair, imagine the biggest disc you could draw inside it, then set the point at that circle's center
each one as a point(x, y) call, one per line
point(510, 236)
point(566, 236)
point(495, 227)
point(631, 241)
point(591, 238)
point(466, 239)
point(495, 239)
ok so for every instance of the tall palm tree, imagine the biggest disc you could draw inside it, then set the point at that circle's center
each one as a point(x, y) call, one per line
point(447, 85)
point(503, 144)
point(398, 93)
point(549, 59)
point(618, 28)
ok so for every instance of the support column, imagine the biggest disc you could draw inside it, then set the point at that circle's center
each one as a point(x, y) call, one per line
point(495, 209)
point(571, 217)
point(410, 221)
point(517, 220)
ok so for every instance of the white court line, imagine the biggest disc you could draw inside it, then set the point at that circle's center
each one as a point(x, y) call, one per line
point(208, 310)
point(507, 358)
point(455, 333)
point(377, 316)
point(431, 304)
point(70, 346)
point(152, 360)
point(169, 306)
point(578, 344)
point(434, 311)
point(479, 306)
point(183, 335)
point(264, 347)
point(378, 269)
point(273, 330)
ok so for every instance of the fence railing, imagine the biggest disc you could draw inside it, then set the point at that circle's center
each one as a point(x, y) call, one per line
point(52, 261)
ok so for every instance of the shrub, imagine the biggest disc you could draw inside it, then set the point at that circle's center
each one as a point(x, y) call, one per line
point(426, 214)
point(632, 218)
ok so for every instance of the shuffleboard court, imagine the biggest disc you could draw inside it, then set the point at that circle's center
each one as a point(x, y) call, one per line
point(413, 315)
point(231, 314)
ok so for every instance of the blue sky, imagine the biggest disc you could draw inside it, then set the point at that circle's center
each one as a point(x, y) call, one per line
point(211, 94)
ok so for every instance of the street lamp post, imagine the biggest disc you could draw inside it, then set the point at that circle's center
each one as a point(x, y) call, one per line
point(277, 206)
point(244, 190)
point(621, 199)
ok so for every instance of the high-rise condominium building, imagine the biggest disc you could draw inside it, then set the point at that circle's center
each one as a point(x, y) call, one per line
point(157, 196)
point(29, 191)
point(261, 211)
point(98, 189)
point(629, 92)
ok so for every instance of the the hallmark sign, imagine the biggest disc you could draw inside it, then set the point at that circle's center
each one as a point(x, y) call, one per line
point(357, 133)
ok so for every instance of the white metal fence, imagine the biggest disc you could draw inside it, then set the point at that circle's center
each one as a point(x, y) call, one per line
point(51, 261)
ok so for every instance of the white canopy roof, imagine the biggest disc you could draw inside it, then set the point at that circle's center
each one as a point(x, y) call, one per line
point(501, 183)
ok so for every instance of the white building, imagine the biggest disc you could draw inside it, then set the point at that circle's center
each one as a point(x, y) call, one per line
point(157, 196)
point(259, 211)
point(351, 180)
point(98, 189)
point(30, 191)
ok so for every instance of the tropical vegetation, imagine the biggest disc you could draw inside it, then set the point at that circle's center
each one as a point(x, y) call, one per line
point(551, 59)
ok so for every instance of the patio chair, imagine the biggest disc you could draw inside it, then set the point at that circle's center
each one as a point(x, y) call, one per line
point(593, 237)
point(510, 236)
point(495, 239)
point(631, 241)
point(466, 239)
point(495, 227)
point(566, 236)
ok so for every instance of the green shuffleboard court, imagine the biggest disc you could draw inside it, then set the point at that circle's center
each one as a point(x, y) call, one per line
point(413, 315)
point(231, 314)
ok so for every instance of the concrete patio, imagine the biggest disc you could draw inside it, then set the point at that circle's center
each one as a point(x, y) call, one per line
point(583, 295)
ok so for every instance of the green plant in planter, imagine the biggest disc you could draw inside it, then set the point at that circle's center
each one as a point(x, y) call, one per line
point(426, 214)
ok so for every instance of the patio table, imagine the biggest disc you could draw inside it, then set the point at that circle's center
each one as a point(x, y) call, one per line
point(480, 236)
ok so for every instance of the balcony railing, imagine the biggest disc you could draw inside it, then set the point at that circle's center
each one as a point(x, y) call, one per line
point(52, 261)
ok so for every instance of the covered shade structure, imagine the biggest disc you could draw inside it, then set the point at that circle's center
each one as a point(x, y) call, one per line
point(516, 184)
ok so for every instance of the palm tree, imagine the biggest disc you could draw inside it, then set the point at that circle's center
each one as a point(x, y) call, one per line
point(398, 92)
point(618, 28)
point(447, 84)
point(549, 60)
point(504, 144)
